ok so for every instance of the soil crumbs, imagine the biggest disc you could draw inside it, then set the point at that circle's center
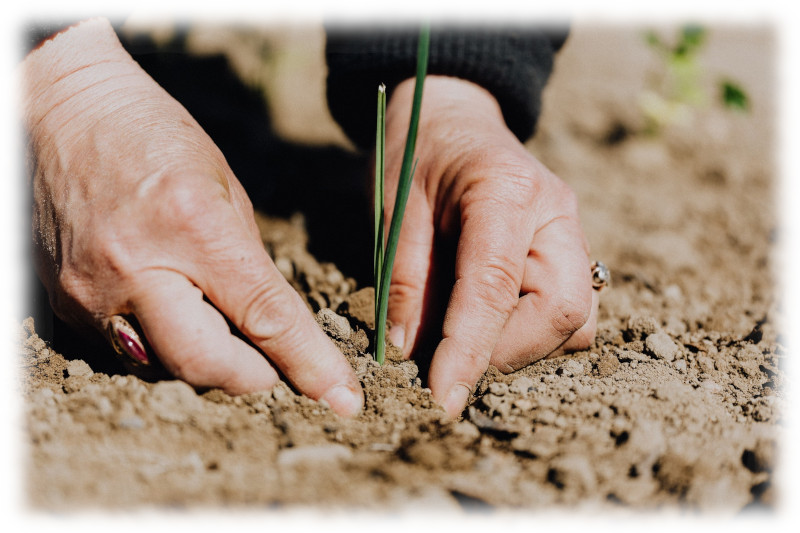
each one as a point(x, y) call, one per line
point(677, 405)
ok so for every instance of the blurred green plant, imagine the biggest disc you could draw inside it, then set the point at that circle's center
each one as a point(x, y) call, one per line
point(680, 90)
point(734, 96)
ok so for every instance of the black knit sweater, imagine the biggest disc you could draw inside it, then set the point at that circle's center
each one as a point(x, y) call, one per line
point(512, 63)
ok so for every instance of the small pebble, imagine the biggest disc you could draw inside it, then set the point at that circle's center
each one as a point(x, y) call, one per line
point(382, 447)
point(103, 405)
point(337, 325)
point(572, 368)
point(130, 422)
point(546, 417)
point(763, 456)
point(642, 326)
point(619, 424)
point(662, 346)
point(492, 402)
point(173, 401)
point(466, 430)
point(573, 472)
point(80, 368)
point(706, 363)
point(285, 267)
point(711, 386)
point(334, 277)
point(523, 404)
point(630, 355)
point(521, 385)
point(673, 294)
point(498, 389)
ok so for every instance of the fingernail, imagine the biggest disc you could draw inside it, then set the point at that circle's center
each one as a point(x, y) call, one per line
point(344, 400)
point(456, 399)
point(397, 336)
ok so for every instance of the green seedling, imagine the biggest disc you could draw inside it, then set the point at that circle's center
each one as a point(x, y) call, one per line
point(385, 251)
point(680, 91)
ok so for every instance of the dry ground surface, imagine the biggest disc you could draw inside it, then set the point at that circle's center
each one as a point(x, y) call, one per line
point(677, 407)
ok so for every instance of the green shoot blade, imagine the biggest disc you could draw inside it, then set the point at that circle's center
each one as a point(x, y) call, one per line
point(403, 188)
point(380, 149)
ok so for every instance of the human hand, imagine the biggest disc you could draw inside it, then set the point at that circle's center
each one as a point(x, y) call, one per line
point(136, 212)
point(521, 287)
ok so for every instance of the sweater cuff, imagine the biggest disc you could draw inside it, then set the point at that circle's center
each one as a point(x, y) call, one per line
point(37, 35)
point(512, 64)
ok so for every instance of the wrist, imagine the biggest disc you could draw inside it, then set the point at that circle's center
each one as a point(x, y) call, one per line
point(458, 118)
point(451, 96)
point(81, 58)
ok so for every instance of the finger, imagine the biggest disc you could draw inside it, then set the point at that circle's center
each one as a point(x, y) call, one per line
point(251, 292)
point(411, 273)
point(193, 340)
point(490, 262)
point(557, 300)
point(584, 337)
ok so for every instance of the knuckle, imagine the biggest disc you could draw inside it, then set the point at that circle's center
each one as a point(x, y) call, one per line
point(268, 315)
point(185, 204)
point(404, 290)
point(507, 187)
point(472, 355)
point(570, 312)
point(497, 284)
point(582, 339)
point(523, 187)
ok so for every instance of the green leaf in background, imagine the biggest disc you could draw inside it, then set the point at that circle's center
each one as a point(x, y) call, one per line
point(733, 96)
point(692, 37)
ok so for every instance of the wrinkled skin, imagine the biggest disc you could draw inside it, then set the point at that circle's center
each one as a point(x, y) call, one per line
point(521, 287)
point(136, 212)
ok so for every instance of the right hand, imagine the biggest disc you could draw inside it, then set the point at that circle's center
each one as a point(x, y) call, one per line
point(483, 210)
point(137, 212)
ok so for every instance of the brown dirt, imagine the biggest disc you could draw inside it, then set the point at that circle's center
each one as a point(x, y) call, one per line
point(677, 405)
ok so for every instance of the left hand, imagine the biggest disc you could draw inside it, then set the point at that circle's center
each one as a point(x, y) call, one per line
point(521, 287)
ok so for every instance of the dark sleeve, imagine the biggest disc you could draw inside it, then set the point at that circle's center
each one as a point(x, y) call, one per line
point(511, 63)
point(36, 34)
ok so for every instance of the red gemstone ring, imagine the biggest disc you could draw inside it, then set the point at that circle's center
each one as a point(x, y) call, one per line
point(126, 341)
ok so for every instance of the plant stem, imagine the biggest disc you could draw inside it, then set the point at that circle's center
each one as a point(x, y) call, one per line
point(403, 188)
point(380, 149)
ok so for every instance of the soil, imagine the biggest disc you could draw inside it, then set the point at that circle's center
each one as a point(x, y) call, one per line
point(678, 406)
